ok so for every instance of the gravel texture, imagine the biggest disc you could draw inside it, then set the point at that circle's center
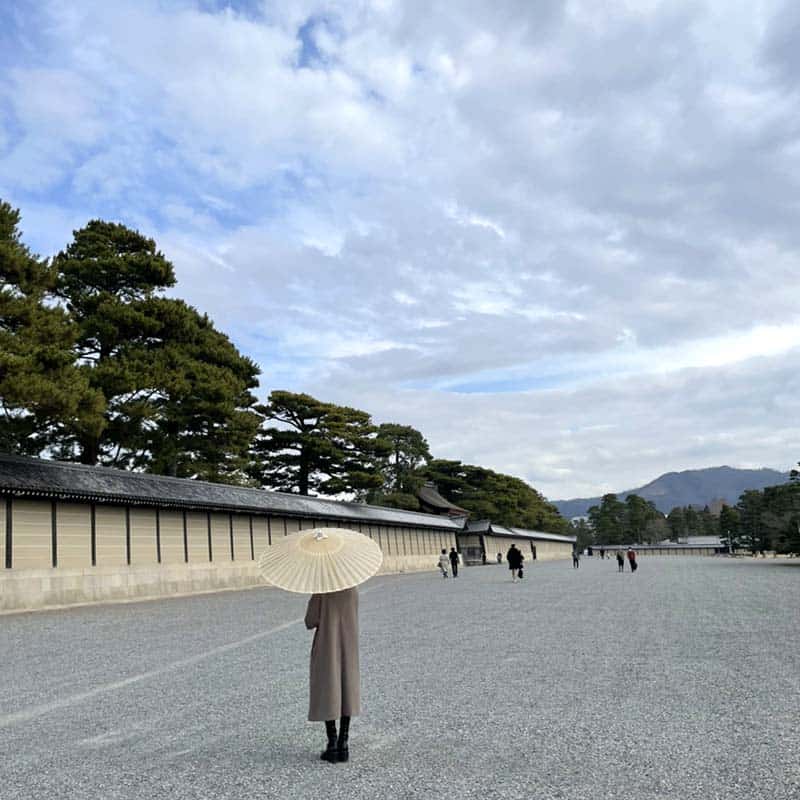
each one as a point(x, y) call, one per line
point(681, 681)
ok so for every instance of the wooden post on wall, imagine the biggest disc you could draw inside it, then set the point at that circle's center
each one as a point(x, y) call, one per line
point(158, 535)
point(93, 523)
point(8, 534)
point(53, 534)
point(128, 534)
point(185, 539)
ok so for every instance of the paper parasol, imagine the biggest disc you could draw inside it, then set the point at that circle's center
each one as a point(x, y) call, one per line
point(320, 560)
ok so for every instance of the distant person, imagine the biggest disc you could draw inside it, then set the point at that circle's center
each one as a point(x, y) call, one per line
point(576, 558)
point(620, 561)
point(483, 557)
point(632, 559)
point(602, 552)
point(514, 558)
point(454, 561)
point(444, 562)
point(499, 558)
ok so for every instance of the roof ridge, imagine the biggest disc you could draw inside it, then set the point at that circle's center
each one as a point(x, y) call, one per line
point(52, 463)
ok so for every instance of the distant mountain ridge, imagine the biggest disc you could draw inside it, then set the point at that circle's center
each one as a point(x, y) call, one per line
point(696, 487)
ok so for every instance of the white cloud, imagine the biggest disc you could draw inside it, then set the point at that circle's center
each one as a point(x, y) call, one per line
point(528, 229)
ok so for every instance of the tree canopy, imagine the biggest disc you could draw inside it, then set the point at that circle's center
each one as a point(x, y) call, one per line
point(492, 495)
point(98, 366)
point(635, 521)
point(316, 447)
point(41, 387)
point(405, 451)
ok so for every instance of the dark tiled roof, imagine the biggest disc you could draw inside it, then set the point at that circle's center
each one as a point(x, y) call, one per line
point(430, 496)
point(486, 526)
point(35, 477)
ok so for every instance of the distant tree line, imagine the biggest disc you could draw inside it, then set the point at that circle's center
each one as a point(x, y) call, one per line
point(761, 520)
point(98, 365)
point(615, 522)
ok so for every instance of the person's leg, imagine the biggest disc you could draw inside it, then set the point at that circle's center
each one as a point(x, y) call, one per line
point(330, 753)
point(344, 734)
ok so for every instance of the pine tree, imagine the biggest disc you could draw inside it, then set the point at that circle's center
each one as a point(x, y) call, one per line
point(176, 390)
point(40, 386)
point(407, 450)
point(316, 447)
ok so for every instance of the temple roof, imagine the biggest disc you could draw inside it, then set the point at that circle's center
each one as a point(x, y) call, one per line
point(429, 496)
point(492, 529)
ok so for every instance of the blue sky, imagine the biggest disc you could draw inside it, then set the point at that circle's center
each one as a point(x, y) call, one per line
point(559, 238)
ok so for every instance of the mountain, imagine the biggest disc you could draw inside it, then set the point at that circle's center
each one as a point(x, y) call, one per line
point(696, 487)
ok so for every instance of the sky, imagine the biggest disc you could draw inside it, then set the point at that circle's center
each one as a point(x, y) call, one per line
point(561, 239)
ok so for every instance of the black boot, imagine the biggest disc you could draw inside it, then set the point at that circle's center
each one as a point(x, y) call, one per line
point(331, 752)
point(343, 751)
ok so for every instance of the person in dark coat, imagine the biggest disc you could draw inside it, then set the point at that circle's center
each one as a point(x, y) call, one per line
point(335, 682)
point(620, 561)
point(454, 561)
point(632, 559)
point(514, 558)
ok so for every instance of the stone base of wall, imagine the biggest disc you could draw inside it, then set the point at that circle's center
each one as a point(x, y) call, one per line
point(31, 589)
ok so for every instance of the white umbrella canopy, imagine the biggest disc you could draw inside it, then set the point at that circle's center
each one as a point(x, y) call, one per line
point(320, 560)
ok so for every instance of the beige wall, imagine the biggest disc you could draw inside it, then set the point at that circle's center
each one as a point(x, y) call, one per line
point(143, 536)
point(75, 580)
point(241, 537)
point(110, 547)
point(74, 534)
point(31, 522)
point(277, 527)
point(260, 541)
point(220, 538)
point(197, 536)
point(171, 536)
point(545, 550)
point(292, 525)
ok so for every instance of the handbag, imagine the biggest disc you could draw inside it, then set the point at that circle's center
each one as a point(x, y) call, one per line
point(519, 573)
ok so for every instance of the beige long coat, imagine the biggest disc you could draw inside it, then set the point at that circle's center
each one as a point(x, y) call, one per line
point(335, 685)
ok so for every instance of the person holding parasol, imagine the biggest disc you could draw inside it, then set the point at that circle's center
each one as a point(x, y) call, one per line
point(328, 564)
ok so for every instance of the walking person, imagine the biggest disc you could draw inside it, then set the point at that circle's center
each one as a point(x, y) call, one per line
point(328, 564)
point(632, 559)
point(454, 559)
point(514, 558)
point(576, 558)
point(620, 561)
point(602, 552)
point(444, 563)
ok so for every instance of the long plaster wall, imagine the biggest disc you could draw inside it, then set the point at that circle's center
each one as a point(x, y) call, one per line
point(545, 550)
point(58, 553)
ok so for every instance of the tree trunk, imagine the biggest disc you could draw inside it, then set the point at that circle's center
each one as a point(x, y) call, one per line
point(302, 478)
point(90, 451)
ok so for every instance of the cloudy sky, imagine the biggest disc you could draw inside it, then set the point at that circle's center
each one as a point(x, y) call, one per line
point(559, 238)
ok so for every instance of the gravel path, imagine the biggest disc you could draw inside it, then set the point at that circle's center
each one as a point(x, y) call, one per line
point(681, 681)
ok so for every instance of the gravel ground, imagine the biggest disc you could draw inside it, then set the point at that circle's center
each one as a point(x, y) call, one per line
point(681, 681)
